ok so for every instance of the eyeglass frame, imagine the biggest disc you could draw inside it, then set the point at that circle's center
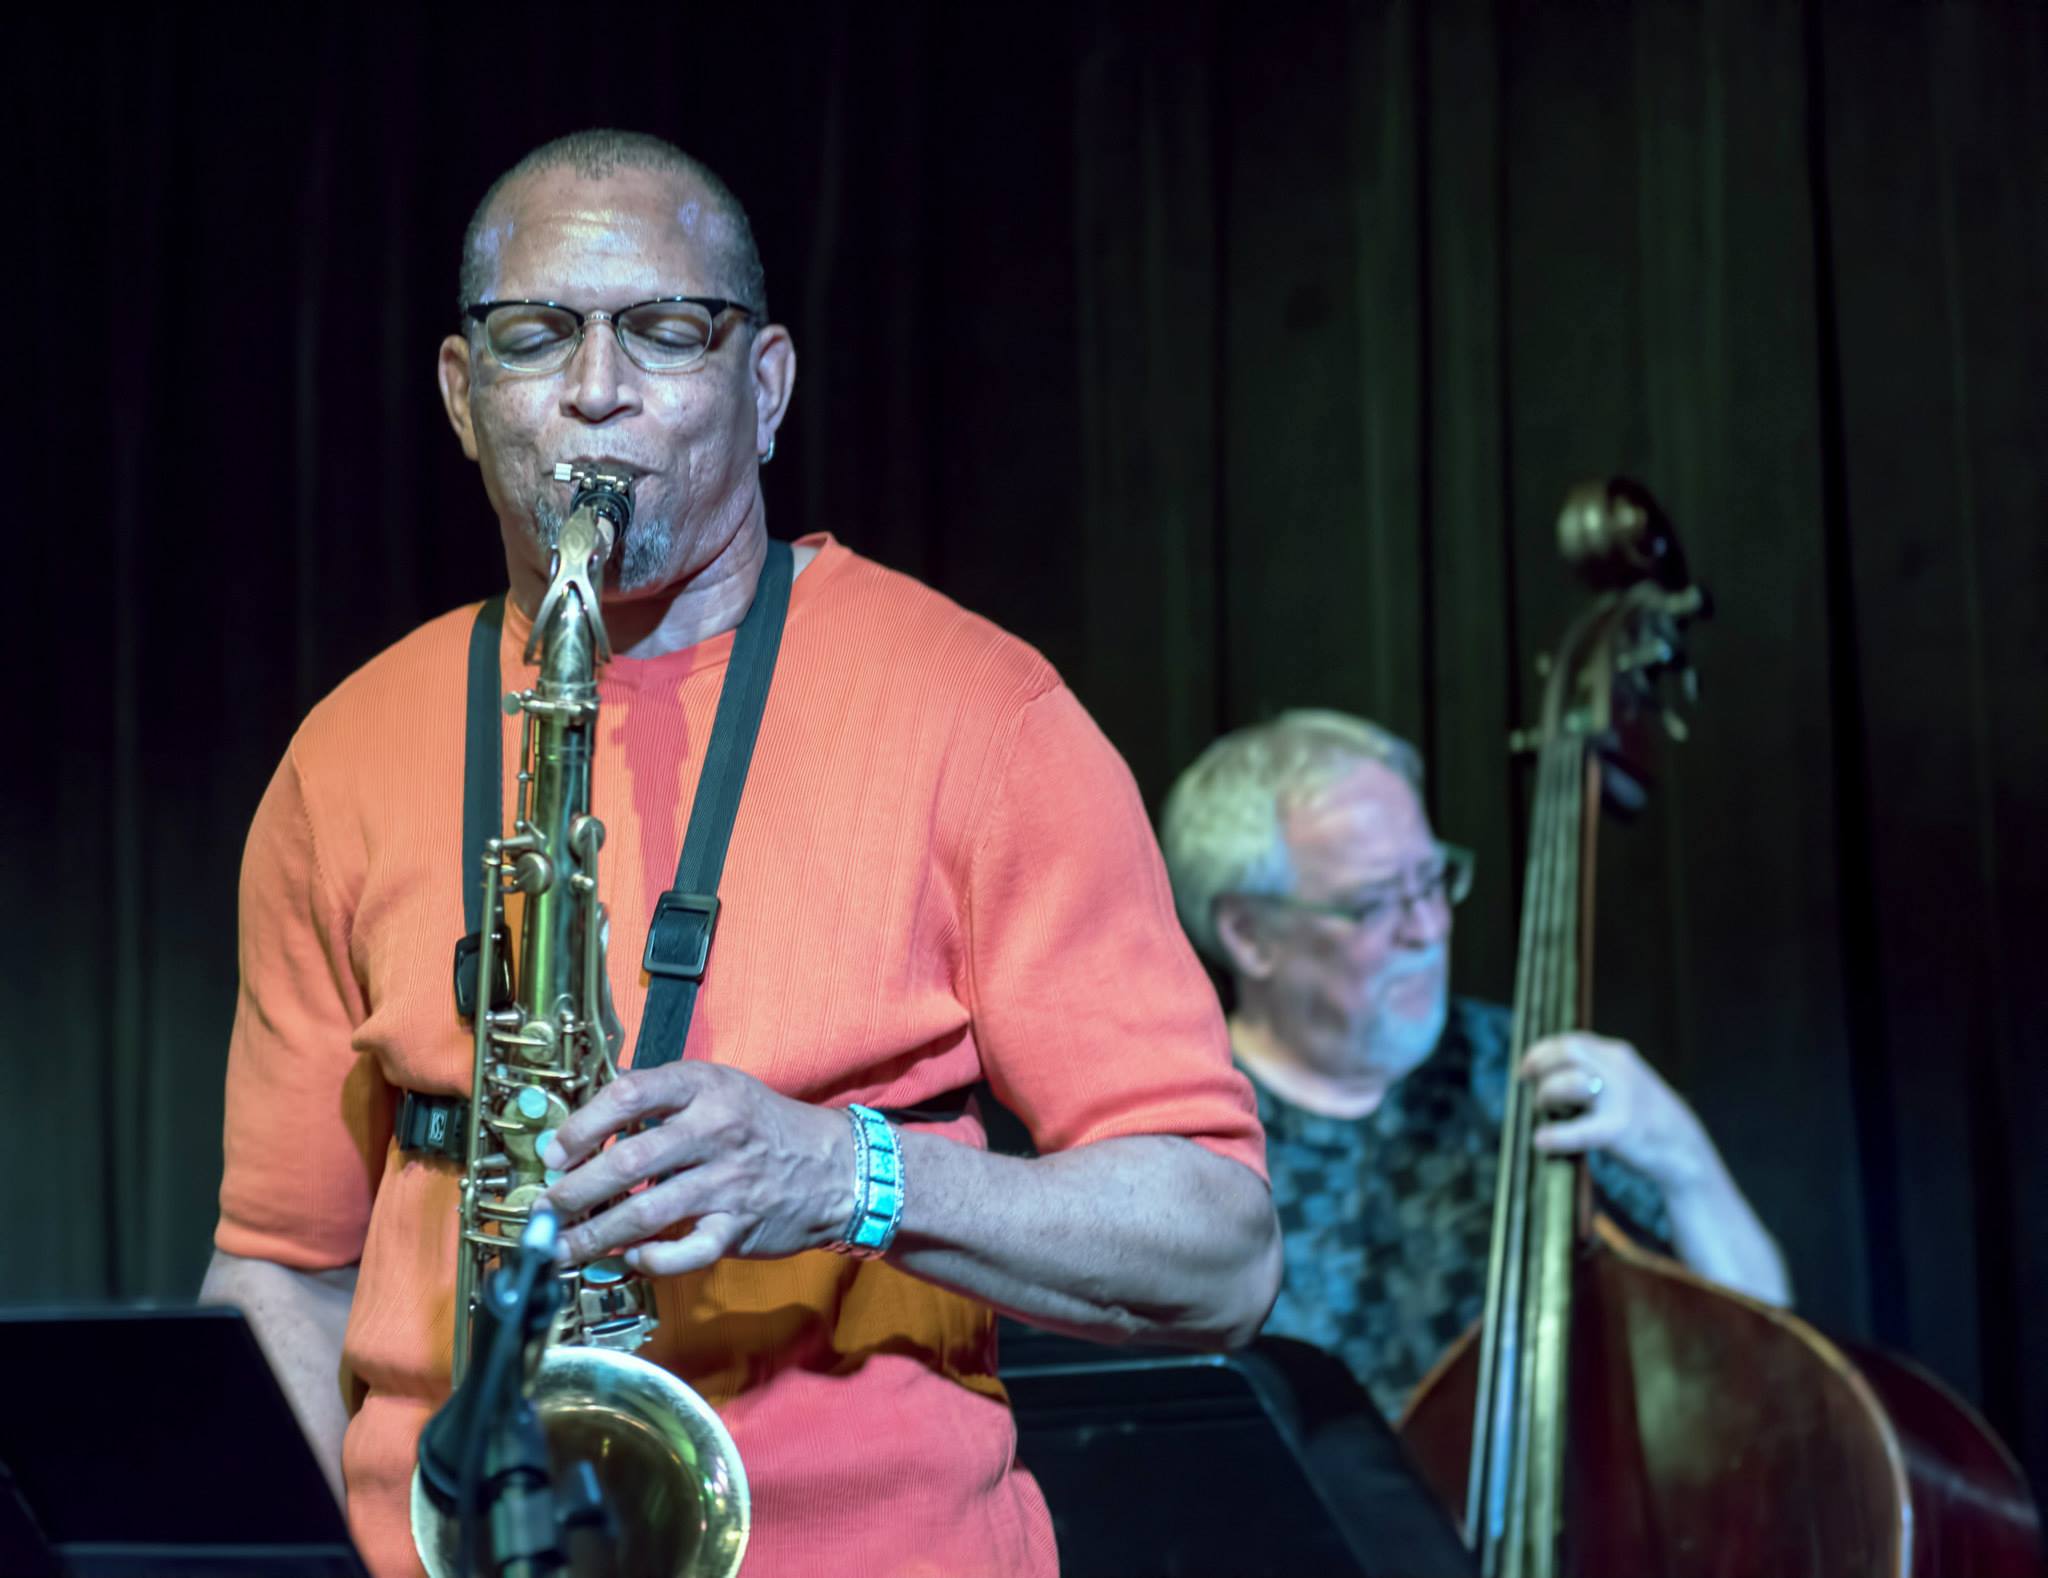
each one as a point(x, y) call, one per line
point(1453, 887)
point(478, 311)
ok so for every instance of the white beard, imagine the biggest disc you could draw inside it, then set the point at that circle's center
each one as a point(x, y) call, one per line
point(1402, 1041)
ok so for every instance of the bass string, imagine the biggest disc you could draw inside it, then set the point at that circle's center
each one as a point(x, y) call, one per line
point(1548, 1247)
point(1551, 991)
point(1544, 967)
point(1493, 1414)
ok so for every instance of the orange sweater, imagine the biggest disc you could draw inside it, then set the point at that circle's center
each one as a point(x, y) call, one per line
point(940, 871)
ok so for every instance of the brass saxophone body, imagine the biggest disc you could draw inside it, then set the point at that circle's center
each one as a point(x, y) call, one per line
point(671, 1475)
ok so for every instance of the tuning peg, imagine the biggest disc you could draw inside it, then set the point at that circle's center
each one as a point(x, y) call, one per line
point(1675, 727)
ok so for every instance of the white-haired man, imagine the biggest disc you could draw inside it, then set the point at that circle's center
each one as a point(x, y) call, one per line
point(1304, 866)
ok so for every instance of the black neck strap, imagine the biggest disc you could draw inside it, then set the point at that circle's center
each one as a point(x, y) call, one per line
point(685, 918)
point(483, 788)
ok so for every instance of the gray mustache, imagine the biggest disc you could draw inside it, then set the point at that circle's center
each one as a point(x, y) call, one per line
point(1405, 964)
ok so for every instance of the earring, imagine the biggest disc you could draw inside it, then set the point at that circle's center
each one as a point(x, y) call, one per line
point(767, 454)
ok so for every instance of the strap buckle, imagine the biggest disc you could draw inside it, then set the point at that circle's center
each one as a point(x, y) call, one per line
point(437, 1125)
point(679, 935)
point(469, 965)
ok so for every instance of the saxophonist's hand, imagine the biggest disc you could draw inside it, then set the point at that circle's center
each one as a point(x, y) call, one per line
point(741, 1169)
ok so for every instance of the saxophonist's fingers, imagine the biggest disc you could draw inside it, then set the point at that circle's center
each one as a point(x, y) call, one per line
point(634, 1220)
point(631, 1098)
point(712, 1239)
point(612, 1171)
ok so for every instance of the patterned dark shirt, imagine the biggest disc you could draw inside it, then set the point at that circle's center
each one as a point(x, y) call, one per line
point(1386, 1219)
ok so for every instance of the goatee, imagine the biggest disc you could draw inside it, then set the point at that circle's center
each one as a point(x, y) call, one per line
point(637, 561)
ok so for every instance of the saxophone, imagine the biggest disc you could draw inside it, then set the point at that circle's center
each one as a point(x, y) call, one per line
point(546, 1042)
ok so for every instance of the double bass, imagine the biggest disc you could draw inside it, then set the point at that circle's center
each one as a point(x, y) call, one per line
point(1613, 1415)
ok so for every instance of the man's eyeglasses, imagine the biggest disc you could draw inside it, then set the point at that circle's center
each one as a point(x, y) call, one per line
point(667, 335)
point(1445, 879)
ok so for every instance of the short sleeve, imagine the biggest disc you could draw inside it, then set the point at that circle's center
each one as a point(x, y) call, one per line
point(1093, 1016)
point(308, 1120)
point(1632, 1200)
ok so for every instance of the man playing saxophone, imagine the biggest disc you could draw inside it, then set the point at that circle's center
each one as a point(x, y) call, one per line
point(939, 873)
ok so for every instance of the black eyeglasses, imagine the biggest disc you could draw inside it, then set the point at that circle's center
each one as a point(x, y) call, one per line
point(1446, 879)
point(667, 335)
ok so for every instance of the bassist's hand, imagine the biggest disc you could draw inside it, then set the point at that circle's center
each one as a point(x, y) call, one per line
point(1600, 1095)
point(1597, 1094)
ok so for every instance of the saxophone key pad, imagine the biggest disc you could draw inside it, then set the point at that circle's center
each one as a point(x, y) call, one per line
point(529, 1115)
point(524, 1198)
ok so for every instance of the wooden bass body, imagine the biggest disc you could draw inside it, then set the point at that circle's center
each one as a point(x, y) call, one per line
point(1715, 1437)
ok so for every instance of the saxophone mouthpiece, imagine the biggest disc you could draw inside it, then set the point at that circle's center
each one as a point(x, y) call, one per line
point(607, 493)
point(600, 505)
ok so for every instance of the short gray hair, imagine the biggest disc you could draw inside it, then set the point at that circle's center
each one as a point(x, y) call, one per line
point(595, 155)
point(1221, 829)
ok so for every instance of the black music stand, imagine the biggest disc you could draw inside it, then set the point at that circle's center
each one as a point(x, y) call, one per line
point(1266, 1463)
point(156, 1441)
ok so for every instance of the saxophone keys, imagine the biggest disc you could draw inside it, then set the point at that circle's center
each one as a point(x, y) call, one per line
point(524, 1198)
point(525, 1121)
point(610, 1306)
point(532, 1041)
point(533, 872)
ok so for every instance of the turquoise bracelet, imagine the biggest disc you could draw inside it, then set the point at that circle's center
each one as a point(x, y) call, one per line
point(878, 1185)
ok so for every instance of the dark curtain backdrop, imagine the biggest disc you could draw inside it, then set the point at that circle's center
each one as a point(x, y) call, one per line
point(1239, 359)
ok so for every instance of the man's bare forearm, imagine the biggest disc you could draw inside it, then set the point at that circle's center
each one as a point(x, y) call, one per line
point(1718, 1234)
point(1145, 1239)
point(299, 1317)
